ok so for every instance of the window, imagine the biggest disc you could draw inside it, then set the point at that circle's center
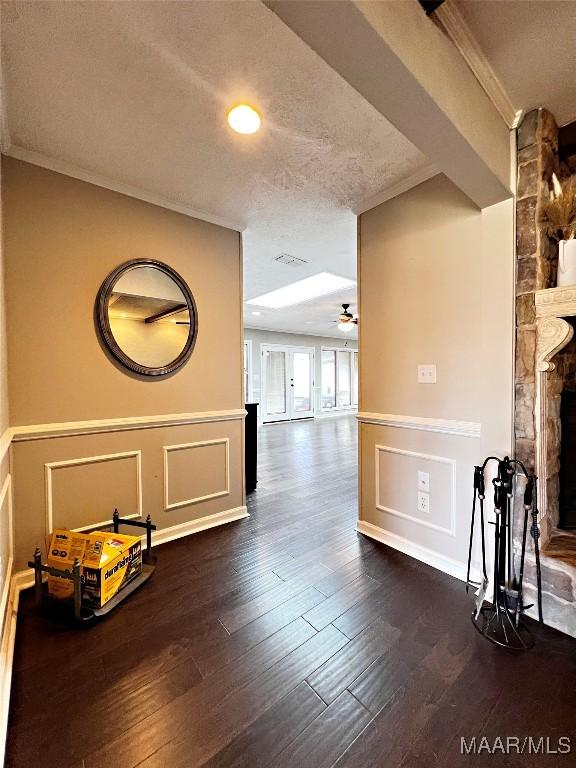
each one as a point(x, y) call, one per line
point(328, 379)
point(344, 382)
point(275, 382)
point(339, 378)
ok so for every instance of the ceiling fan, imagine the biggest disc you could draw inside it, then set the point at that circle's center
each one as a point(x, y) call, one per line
point(346, 321)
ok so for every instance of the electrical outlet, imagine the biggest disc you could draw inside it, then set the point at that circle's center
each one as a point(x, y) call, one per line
point(424, 481)
point(423, 502)
point(426, 374)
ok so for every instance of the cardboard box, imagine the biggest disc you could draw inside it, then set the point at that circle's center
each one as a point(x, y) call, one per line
point(108, 560)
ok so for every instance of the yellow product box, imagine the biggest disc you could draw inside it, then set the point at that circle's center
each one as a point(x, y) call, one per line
point(108, 562)
point(65, 547)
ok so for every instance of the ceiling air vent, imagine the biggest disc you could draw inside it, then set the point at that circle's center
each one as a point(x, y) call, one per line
point(292, 261)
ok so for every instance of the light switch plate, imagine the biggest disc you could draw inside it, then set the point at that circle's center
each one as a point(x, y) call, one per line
point(424, 481)
point(423, 502)
point(426, 374)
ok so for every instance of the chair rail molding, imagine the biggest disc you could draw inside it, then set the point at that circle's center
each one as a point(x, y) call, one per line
point(125, 424)
point(5, 442)
point(424, 423)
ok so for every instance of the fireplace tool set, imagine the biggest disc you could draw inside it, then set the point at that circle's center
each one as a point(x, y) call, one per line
point(501, 621)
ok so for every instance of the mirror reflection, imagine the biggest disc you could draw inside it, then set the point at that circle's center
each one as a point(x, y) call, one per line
point(149, 321)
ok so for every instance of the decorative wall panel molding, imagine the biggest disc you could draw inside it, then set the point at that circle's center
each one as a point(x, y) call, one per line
point(99, 426)
point(56, 465)
point(442, 426)
point(168, 449)
point(451, 529)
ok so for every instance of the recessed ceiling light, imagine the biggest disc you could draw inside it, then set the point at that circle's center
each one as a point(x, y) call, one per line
point(304, 290)
point(244, 119)
point(256, 313)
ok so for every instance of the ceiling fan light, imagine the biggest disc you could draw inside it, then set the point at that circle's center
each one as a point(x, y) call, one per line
point(346, 327)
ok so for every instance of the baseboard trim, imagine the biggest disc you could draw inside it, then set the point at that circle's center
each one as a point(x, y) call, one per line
point(18, 582)
point(418, 552)
point(24, 579)
point(336, 412)
point(201, 524)
point(424, 423)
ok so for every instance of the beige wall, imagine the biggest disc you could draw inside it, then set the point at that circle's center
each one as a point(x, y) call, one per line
point(62, 238)
point(436, 287)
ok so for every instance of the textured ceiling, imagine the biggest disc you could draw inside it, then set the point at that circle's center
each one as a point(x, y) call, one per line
point(316, 317)
point(531, 45)
point(138, 92)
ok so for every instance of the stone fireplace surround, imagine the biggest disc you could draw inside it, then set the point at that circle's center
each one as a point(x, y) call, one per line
point(544, 359)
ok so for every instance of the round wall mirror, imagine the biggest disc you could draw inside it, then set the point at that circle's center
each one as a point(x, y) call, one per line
point(147, 318)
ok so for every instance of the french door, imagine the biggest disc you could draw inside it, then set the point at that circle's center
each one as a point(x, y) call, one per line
point(287, 383)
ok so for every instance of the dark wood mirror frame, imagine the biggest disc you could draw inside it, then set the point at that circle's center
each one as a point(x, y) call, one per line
point(103, 322)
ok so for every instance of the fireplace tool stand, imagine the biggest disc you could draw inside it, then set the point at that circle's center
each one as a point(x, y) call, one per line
point(501, 620)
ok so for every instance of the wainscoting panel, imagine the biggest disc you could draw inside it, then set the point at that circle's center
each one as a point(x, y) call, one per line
point(184, 475)
point(397, 490)
point(196, 472)
point(77, 490)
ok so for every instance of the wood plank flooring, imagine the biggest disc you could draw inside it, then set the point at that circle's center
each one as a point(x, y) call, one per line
point(285, 640)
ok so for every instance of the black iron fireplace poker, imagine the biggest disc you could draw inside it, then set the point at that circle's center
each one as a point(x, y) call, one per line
point(501, 620)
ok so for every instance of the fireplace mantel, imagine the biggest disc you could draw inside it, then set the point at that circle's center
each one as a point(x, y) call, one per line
point(553, 333)
point(556, 302)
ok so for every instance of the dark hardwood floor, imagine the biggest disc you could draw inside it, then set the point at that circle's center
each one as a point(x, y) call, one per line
point(285, 640)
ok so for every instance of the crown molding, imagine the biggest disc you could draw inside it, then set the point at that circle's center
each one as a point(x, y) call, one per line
point(451, 19)
point(418, 177)
point(68, 169)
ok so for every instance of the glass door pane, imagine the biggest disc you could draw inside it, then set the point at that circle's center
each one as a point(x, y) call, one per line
point(302, 381)
point(276, 400)
point(246, 372)
point(328, 379)
point(344, 379)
